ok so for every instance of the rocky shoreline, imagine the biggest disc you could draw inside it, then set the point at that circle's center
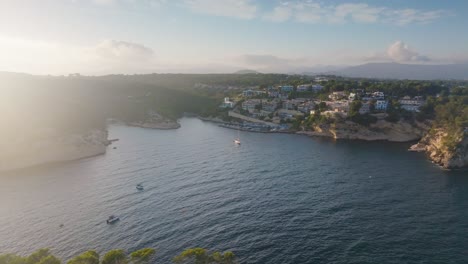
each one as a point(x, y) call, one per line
point(380, 131)
point(164, 125)
point(449, 155)
point(52, 149)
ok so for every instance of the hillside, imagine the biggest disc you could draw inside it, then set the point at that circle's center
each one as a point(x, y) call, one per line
point(406, 71)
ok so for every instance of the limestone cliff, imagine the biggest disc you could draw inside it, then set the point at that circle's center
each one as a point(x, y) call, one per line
point(48, 146)
point(449, 150)
point(155, 121)
point(381, 130)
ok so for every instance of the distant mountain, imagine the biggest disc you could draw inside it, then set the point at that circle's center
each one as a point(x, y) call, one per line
point(247, 71)
point(406, 71)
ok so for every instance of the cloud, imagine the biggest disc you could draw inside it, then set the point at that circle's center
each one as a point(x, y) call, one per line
point(280, 13)
point(315, 12)
point(242, 9)
point(121, 50)
point(357, 12)
point(104, 2)
point(408, 16)
point(399, 51)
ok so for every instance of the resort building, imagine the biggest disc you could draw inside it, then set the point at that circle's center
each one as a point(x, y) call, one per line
point(381, 105)
point(227, 103)
point(286, 88)
point(303, 88)
point(317, 88)
point(411, 104)
point(365, 108)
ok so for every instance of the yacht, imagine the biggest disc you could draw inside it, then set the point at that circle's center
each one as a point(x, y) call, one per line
point(112, 219)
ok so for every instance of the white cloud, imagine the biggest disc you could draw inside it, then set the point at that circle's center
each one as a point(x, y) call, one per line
point(357, 12)
point(121, 50)
point(43, 57)
point(104, 2)
point(400, 52)
point(280, 13)
point(408, 16)
point(315, 12)
point(242, 9)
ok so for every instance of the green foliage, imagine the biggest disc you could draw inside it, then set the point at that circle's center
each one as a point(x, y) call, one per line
point(142, 256)
point(88, 257)
point(354, 108)
point(12, 259)
point(38, 256)
point(201, 256)
point(115, 256)
point(49, 260)
point(453, 114)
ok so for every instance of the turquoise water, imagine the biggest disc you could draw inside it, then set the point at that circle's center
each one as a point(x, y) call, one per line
point(275, 199)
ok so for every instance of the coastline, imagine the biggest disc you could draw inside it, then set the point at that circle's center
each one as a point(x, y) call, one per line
point(54, 149)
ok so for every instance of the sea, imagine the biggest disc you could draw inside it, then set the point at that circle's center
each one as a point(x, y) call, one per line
point(276, 198)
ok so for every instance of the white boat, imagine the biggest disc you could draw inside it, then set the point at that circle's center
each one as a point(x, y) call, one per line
point(237, 140)
point(112, 219)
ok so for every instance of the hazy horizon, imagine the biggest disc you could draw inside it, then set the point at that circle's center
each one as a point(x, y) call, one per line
point(98, 37)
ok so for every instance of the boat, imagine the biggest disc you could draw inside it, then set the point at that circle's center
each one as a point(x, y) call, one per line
point(112, 219)
point(139, 187)
point(237, 140)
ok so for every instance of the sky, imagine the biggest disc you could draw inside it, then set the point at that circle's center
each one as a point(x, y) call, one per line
point(96, 37)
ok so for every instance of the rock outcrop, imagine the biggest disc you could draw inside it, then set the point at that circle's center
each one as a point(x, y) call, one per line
point(381, 130)
point(155, 121)
point(449, 150)
point(47, 146)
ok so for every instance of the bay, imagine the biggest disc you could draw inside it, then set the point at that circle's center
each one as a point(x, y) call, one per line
point(277, 198)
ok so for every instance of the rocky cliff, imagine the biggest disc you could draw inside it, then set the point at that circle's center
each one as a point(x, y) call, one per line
point(154, 120)
point(381, 130)
point(47, 146)
point(449, 150)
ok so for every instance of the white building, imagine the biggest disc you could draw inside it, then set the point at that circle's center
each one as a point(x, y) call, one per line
point(250, 105)
point(381, 105)
point(227, 103)
point(411, 104)
point(286, 88)
point(303, 87)
point(337, 95)
point(365, 108)
point(317, 87)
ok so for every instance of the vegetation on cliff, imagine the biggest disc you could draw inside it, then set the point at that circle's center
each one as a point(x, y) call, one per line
point(118, 256)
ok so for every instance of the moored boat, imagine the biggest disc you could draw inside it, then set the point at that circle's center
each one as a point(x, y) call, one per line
point(112, 219)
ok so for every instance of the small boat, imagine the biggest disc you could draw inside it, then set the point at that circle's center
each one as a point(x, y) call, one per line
point(112, 219)
point(139, 187)
point(237, 140)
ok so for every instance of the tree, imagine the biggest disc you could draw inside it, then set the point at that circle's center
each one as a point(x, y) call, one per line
point(201, 256)
point(142, 256)
point(37, 256)
point(354, 108)
point(12, 259)
point(50, 260)
point(88, 257)
point(115, 256)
